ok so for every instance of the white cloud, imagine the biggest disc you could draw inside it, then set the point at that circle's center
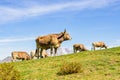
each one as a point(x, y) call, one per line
point(114, 43)
point(16, 39)
point(7, 45)
point(15, 13)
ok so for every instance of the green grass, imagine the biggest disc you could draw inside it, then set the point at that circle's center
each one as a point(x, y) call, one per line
point(96, 65)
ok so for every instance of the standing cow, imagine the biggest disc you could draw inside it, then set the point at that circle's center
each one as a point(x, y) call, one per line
point(20, 56)
point(51, 41)
point(79, 47)
point(33, 54)
point(99, 44)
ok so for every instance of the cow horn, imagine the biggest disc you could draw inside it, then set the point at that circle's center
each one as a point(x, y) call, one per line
point(64, 30)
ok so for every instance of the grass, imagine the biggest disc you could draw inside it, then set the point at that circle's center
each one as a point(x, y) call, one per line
point(97, 65)
point(8, 72)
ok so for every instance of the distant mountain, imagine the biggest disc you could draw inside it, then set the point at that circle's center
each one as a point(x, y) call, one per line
point(60, 51)
point(7, 59)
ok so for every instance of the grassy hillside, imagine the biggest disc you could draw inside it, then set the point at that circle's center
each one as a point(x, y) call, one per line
point(97, 65)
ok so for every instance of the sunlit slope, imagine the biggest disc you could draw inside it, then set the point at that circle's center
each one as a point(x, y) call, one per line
point(97, 65)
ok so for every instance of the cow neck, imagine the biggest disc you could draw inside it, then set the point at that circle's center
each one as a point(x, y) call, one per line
point(60, 35)
point(61, 40)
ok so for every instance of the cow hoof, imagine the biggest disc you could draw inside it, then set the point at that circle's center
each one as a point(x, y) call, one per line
point(41, 56)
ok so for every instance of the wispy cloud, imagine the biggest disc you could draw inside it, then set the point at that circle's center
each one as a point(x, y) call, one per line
point(15, 13)
point(8, 40)
point(114, 43)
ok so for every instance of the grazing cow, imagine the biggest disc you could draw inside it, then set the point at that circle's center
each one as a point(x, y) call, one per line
point(99, 44)
point(79, 47)
point(34, 54)
point(51, 41)
point(20, 55)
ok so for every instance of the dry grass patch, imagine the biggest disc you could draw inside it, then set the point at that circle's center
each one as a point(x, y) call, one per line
point(70, 68)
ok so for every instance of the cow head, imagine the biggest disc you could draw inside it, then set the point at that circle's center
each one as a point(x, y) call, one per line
point(64, 35)
point(105, 46)
point(28, 57)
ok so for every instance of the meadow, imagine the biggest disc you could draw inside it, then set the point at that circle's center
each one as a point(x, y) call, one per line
point(96, 65)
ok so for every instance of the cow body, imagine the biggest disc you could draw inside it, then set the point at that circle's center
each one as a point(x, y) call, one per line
point(99, 44)
point(51, 41)
point(79, 47)
point(20, 56)
point(34, 54)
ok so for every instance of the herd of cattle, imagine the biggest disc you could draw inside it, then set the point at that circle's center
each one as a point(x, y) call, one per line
point(52, 42)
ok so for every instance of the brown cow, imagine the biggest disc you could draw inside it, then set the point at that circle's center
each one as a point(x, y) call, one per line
point(79, 47)
point(99, 44)
point(20, 55)
point(34, 54)
point(51, 41)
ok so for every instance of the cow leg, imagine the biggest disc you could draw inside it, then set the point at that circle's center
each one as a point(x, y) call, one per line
point(31, 54)
point(37, 52)
point(55, 51)
point(12, 59)
point(74, 50)
point(94, 48)
point(41, 51)
point(51, 51)
point(79, 50)
point(32, 57)
point(23, 59)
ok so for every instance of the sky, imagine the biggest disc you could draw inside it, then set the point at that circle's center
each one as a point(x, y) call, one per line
point(87, 21)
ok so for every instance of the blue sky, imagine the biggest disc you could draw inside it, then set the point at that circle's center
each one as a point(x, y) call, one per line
point(21, 21)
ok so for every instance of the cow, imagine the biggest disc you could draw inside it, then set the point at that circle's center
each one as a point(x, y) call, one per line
point(51, 41)
point(34, 54)
point(99, 44)
point(79, 47)
point(20, 55)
